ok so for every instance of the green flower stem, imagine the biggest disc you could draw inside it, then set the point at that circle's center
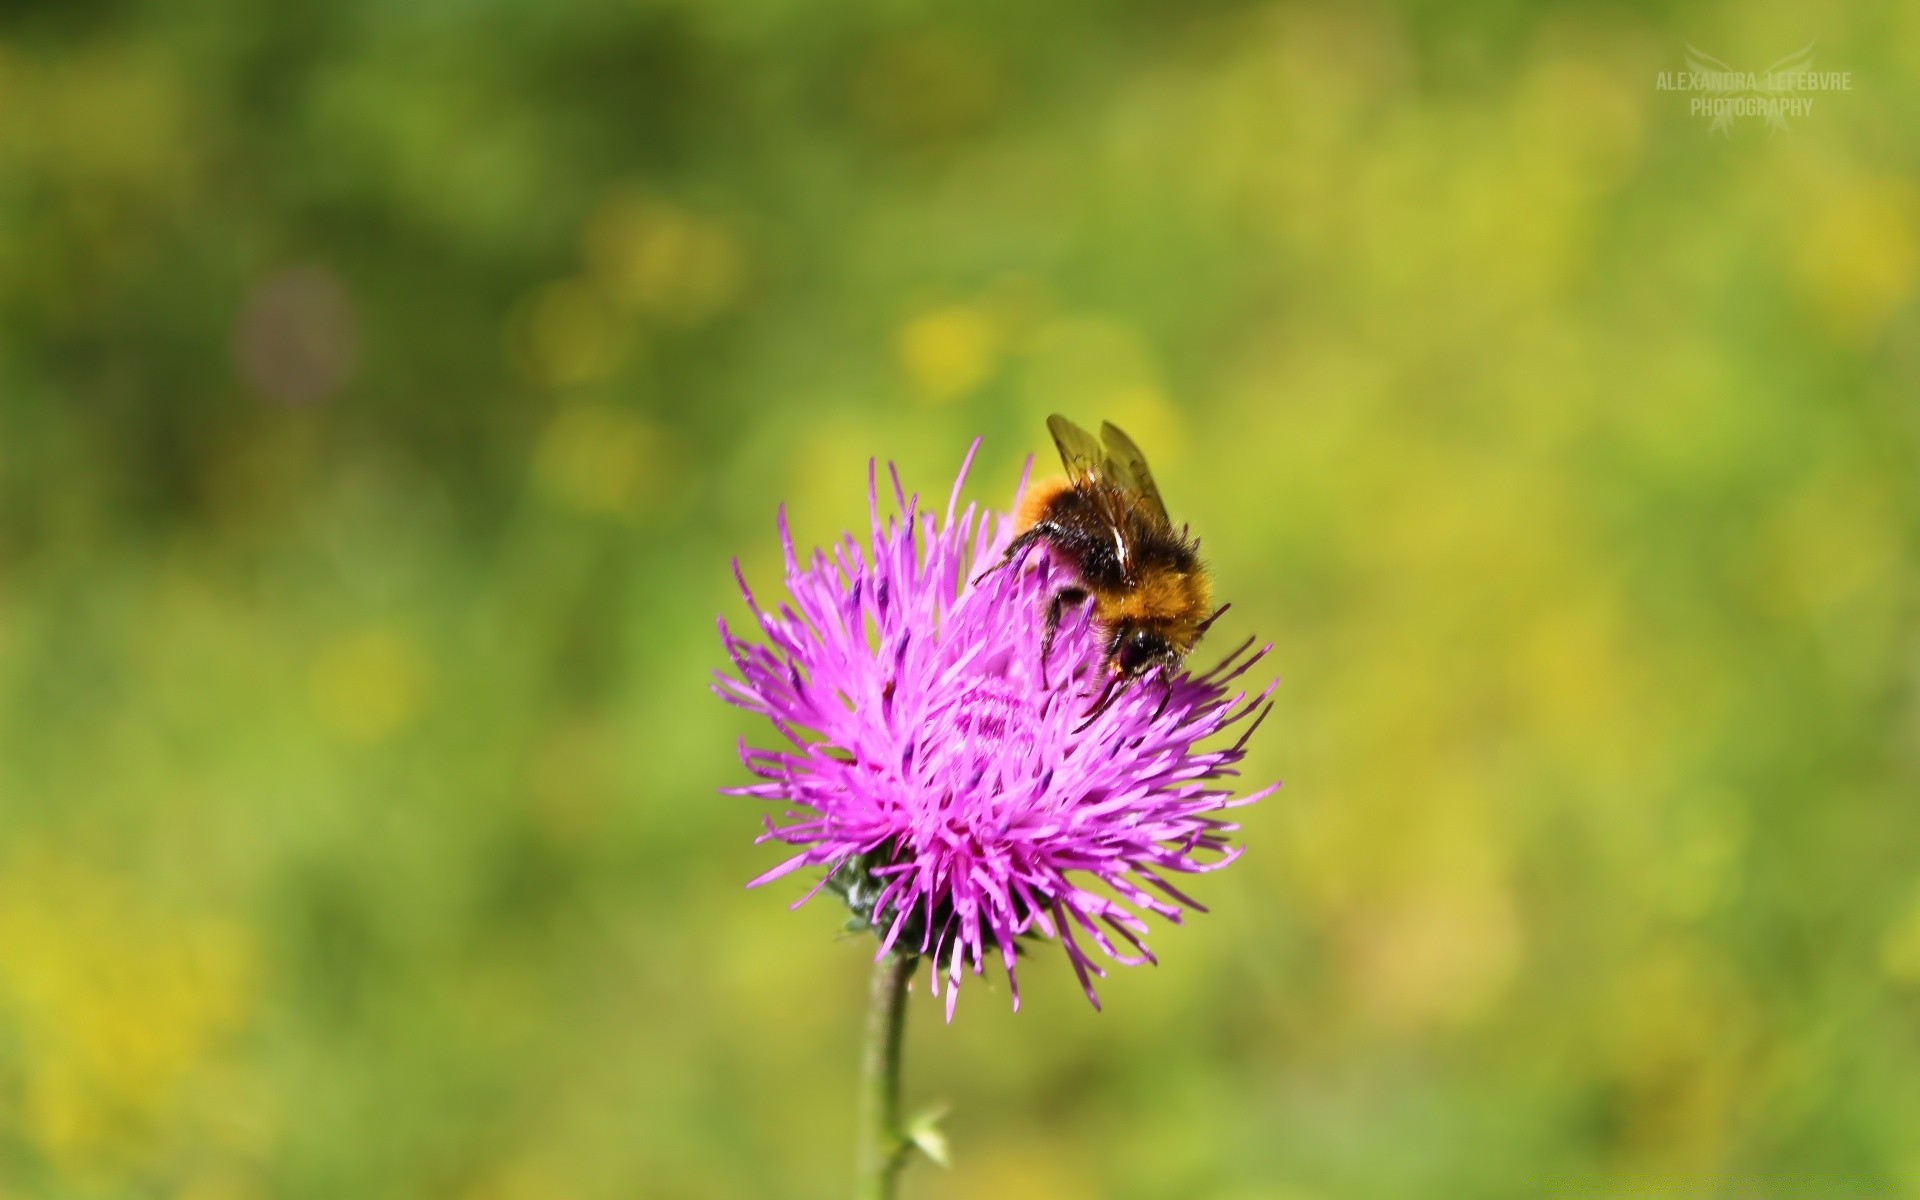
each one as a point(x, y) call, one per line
point(883, 1143)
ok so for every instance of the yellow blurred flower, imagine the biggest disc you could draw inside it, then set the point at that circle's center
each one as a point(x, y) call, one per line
point(1573, 674)
point(949, 351)
point(1676, 1030)
point(674, 263)
point(519, 1179)
point(1834, 539)
point(1859, 254)
point(1439, 955)
point(1589, 115)
point(565, 334)
point(1900, 945)
point(112, 117)
point(226, 1185)
point(600, 459)
point(1016, 1169)
point(925, 87)
point(369, 684)
point(116, 1006)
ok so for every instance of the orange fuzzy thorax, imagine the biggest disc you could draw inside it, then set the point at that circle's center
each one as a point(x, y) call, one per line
point(1170, 601)
point(1034, 504)
point(1175, 602)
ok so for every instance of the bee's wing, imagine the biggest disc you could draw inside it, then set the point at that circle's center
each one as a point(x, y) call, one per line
point(1091, 472)
point(1128, 468)
point(1079, 453)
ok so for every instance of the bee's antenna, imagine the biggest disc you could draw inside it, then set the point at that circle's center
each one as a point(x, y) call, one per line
point(1208, 623)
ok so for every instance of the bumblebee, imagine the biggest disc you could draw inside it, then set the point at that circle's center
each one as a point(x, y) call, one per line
point(1105, 521)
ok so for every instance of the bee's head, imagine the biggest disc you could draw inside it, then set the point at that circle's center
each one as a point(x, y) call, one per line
point(1136, 649)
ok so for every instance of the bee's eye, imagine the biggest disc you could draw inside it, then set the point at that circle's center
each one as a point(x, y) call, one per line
point(1138, 649)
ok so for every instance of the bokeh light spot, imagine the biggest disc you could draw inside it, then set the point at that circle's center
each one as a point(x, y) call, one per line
point(115, 1008)
point(296, 340)
point(1439, 956)
point(948, 351)
point(926, 88)
point(596, 458)
point(369, 684)
point(1900, 945)
point(676, 264)
point(1859, 254)
point(567, 334)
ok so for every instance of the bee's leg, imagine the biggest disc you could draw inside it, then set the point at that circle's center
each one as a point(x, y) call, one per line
point(1061, 598)
point(1116, 687)
point(1018, 544)
point(1166, 677)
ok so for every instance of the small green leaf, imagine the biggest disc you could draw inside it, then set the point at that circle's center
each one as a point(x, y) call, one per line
point(923, 1130)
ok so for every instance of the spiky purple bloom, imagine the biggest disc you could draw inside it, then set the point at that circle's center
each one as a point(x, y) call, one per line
point(956, 800)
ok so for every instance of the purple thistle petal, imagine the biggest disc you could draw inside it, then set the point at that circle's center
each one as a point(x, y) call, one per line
point(952, 793)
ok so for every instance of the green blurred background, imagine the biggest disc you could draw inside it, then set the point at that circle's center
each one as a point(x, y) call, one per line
point(384, 387)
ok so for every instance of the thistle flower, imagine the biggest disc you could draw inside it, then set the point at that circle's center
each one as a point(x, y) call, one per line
point(955, 794)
